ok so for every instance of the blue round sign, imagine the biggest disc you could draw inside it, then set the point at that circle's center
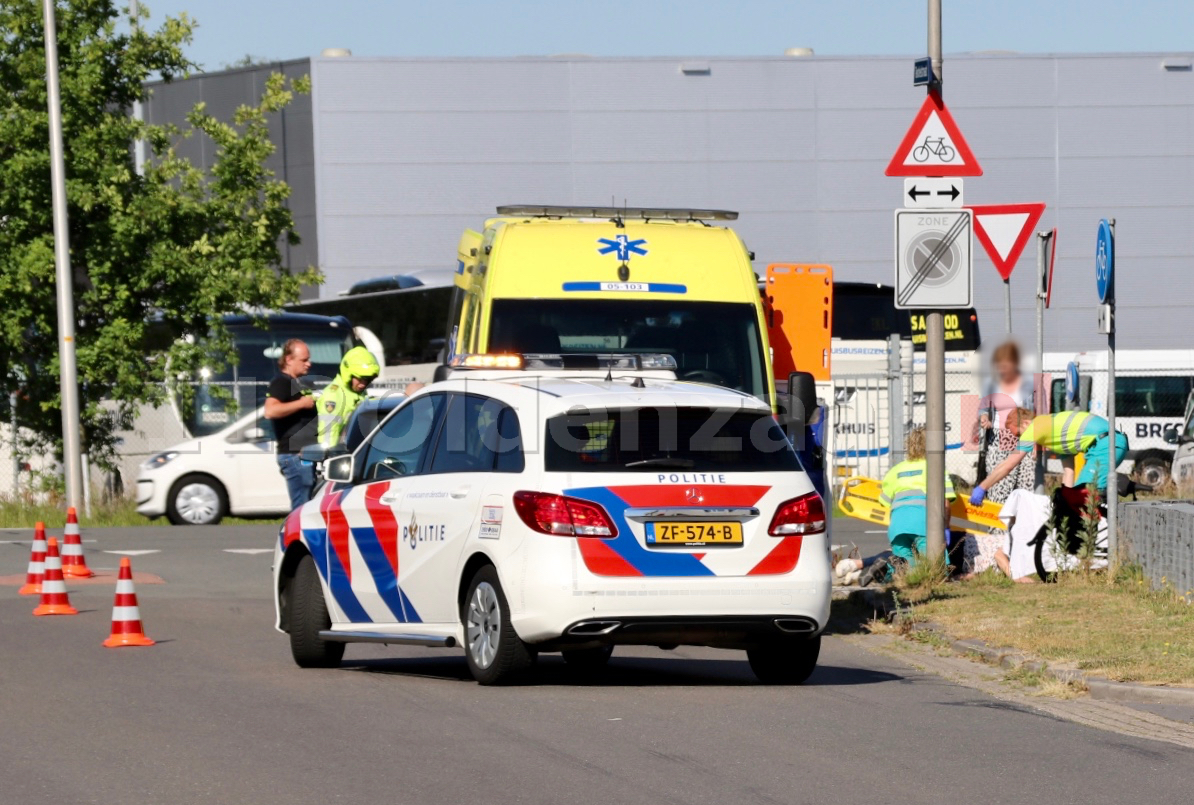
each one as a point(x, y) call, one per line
point(1104, 260)
point(1071, 382)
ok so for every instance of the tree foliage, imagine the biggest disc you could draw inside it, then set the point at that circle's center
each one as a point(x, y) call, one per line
point(174, 245)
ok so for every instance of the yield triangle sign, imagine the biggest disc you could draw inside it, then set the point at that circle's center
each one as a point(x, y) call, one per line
point(1004, 230)
point(933, 146)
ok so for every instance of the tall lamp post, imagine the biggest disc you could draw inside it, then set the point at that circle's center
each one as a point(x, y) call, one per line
point(67, 377)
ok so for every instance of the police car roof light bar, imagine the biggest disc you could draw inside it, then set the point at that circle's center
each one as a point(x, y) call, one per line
point(627, 362)
point(620, 213)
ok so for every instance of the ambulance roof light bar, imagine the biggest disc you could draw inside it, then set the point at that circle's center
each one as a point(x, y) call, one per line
point(620, 213)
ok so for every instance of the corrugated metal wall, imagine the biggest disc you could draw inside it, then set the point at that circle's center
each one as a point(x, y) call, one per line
point(409, 152)
point(291, 131)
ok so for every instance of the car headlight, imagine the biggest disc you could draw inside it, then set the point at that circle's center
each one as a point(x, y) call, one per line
point(159, 460)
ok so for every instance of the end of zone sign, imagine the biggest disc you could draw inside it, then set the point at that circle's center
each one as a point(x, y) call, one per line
point(934, 261)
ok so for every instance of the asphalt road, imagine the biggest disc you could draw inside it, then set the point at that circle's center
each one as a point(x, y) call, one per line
point(218, 713)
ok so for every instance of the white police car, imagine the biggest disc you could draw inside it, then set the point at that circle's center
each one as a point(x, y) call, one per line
point(534, 511)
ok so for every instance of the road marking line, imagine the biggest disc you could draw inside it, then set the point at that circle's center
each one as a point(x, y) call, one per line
point(133, 553)
point(248, 551)
point(880, 531)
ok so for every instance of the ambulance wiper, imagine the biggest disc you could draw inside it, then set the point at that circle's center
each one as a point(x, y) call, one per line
point(664, 461)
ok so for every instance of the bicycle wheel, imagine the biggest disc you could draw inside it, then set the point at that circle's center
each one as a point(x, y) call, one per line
point(920, 153)
point(1038, 555)
point(946, 153)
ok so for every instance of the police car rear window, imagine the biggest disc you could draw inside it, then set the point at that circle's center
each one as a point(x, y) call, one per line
point(667, 440)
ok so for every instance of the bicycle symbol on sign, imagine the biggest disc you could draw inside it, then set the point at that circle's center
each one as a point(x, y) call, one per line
point(1101, 262)
point(931, 147)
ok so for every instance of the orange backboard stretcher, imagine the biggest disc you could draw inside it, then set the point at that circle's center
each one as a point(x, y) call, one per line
point(799, 304)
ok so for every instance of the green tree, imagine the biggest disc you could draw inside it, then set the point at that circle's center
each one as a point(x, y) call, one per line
point(175, 244)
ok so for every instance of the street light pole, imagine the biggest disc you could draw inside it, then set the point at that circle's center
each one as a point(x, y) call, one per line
point(68, 380)
point(138, 113)
point(935, 366)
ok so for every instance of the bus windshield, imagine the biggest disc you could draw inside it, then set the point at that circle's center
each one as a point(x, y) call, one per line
point(409, 322)
point(864, 312)
point(257, 354)
point(712, 342)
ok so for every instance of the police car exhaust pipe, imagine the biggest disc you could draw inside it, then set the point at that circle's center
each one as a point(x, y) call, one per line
point(795, 625)
point(594, 628)
point(430, 641)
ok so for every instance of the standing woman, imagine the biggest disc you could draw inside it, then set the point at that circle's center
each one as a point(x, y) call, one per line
point(1007, 389)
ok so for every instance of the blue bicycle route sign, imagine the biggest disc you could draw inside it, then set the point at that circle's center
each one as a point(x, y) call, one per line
point(1104, 261)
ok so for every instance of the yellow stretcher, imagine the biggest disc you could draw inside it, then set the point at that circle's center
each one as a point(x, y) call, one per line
point(859, 497)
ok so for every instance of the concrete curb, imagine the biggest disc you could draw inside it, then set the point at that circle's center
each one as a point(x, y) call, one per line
point(1011, 659)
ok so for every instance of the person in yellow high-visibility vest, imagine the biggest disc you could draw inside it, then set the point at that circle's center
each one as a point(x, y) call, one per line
point(358, 368)
point(904, 491)
point(1066, 434)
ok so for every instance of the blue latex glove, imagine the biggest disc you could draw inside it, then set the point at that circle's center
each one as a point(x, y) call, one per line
point(978, 496)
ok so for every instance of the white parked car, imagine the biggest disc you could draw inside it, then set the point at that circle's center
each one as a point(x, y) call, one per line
point(230, 472)
point(519, 513)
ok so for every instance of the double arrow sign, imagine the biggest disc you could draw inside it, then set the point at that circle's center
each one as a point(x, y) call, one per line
point(922, 192)
point(953, 193)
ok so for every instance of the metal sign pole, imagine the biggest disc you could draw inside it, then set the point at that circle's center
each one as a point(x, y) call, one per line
point(68, 381)
point(1041, 385)
point(1112, 478)
point(1007, 304)
point(935, 366)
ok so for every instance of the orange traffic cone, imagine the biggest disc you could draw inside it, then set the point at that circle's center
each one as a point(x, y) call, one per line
point(126, 615)
point(37, 562)
point(54, 600)
point(74, 566)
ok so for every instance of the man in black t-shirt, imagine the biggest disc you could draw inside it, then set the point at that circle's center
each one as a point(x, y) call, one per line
point(292, 409)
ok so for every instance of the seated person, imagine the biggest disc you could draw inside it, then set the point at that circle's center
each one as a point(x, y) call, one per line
point(1066, 434)
point(904, 492)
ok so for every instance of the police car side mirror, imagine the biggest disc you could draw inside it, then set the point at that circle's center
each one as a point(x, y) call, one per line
point(1172, 436)
point(338, 469)
point(802, 395)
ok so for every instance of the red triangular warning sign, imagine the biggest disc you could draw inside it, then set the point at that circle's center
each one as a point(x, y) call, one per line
point(1004, 230)
point(934, 146)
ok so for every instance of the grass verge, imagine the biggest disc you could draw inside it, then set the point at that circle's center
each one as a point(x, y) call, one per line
point(23, 513)
point(1117, 628)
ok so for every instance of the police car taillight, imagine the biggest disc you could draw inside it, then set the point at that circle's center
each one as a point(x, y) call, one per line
point(802, 515)
point(563, 516)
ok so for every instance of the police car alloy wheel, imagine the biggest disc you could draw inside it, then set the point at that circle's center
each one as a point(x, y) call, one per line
point(785, 662)
point(493, 649)
point(196, 500)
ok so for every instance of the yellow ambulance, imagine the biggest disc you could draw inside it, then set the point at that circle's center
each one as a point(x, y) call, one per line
point(587, 281)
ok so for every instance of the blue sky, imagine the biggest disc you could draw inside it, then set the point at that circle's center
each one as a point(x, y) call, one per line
point(284, 29)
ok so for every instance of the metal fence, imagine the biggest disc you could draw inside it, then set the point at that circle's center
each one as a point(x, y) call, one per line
point(1159, 536)
point(1153, 408)
point(872, 413)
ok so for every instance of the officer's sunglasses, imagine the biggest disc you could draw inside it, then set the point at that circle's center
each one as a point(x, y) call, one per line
point(364, 380)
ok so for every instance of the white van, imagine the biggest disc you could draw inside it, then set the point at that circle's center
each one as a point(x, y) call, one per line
point(1151, 389)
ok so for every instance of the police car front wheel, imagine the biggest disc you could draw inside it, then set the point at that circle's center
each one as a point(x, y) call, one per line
point(494, 651)
point(308, 617)
point(785, 662)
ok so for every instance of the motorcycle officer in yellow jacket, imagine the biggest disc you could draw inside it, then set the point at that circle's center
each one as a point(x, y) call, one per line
point(358, 369)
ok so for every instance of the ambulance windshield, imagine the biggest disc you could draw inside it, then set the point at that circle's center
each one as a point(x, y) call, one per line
point(712, 342)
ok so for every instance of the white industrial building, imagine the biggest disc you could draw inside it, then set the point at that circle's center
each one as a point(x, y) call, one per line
point(390, 159)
